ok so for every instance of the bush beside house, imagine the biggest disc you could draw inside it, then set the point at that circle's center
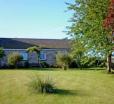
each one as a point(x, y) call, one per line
point(14, 59)
point(2, 54)
point(63, 60)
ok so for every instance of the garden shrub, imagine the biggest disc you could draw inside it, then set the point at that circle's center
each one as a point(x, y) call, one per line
point(2, 54)
point(89, 62)
point(44, 65)
point(63, 60)
point(13, 59)
point(42, 85)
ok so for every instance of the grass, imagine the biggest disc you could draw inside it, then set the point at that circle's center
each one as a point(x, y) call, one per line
point(75, 87)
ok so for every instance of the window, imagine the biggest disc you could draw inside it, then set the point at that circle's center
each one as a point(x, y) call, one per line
point(113, 54)
point(24, 55)
point(42, 56)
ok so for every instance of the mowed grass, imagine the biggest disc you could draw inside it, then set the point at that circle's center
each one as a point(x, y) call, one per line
point(75, 87)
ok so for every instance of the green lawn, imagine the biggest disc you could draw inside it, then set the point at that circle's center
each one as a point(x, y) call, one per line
point(77, 87)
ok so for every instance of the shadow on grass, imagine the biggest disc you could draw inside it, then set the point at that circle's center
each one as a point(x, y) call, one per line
point(64, 92)
point(112, 72)
point(106, 72)
point(95, 68)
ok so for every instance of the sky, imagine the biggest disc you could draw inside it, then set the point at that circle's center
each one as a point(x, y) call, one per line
point(34, 18)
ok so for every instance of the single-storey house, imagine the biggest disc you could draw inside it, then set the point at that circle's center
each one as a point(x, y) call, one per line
point(48, 53)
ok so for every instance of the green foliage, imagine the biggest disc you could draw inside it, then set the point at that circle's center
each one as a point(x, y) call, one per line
point(73, 64)
point(36, 49)
point(88, 62)
point(42, 85)
point(14, 58)
point(44, 65)
point(87, 28)
point(1, 52)
point(78, 53)
point(63, 60)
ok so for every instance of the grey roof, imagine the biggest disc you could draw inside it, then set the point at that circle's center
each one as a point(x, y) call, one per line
point(23, 43)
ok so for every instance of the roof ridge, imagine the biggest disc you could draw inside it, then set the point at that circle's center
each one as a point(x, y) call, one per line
point(25, 43)
point(33, 38)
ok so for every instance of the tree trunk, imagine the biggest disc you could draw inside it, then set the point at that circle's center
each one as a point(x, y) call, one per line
point(64, 66)
point(109, 63)
point(39, 61)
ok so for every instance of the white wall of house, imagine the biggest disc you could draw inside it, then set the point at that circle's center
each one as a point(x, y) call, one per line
point(47, 55)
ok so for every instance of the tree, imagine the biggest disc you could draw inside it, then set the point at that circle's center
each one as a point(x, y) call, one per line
point(109, 24)
point(78, 53)
point(87, 26)
point(1, 54)
point(14, 58)
point(36, 49)
point(63, 60)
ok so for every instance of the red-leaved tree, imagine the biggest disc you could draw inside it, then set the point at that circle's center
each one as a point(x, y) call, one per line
point(108, 23)
point(109, 20)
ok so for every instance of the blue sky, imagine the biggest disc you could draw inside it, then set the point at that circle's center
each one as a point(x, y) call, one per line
point(33, 18)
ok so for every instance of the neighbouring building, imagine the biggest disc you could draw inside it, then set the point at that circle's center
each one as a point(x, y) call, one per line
point(48, 53)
